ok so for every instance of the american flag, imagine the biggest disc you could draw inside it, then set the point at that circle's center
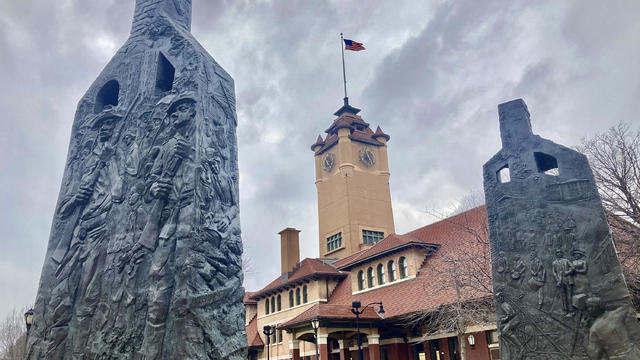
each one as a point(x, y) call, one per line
point(352, 45)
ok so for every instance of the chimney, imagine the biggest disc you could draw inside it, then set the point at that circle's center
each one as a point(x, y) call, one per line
point(289, 249)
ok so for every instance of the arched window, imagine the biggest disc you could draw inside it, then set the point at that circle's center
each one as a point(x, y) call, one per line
point(266, 306)
point(380, 274)
point(403, 267)
point(298, 296)
point(360, 280)
point(273, 304)
point(370, 277)
point(279, 302)
point(392, 271)
point(291, 298)
point(305, 297)
point(108, 95)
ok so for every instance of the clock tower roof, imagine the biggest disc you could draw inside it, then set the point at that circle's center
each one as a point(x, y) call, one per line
point(359, 130)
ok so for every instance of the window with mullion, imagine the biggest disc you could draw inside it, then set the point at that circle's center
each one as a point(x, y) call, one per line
point(371, 237)
point(334, 242)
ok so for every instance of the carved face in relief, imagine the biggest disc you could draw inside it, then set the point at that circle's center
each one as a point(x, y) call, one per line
point(215, 165)
point(183, 114)
point(128, 138)
point(106, 129)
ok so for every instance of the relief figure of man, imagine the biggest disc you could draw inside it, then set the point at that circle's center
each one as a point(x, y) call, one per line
point(99, 188)
point(172, 193)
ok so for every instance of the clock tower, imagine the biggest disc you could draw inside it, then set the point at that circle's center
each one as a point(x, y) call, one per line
point(352, 178)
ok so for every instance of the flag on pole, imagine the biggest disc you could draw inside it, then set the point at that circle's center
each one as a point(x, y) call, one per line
point(352, 45)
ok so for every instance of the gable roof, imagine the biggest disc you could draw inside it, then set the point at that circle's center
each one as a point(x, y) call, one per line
point(253, 336)
point(389, 244)
point(330, 311)
point(305, 270)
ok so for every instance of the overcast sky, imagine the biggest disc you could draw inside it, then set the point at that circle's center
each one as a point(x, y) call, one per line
point(431, 76)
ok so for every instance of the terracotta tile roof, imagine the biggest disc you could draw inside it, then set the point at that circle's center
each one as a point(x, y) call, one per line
point(453, 235)
point(389, 243)
point(306, 269)
point(253, 336)
point(330, 311)
point(247, 298)
point(319, 142)
point(380, 133)
point(359, 131)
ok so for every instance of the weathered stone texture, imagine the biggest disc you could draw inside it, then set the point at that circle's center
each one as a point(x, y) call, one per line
point(144, 257)
point(559, 289)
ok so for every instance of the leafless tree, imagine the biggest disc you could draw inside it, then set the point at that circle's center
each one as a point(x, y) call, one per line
point(463, 274)
point(615, 160)
point(13, 335)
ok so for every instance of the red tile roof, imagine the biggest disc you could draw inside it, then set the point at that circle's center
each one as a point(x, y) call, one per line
point(390, 243)
point(359, 131)
point(305, 270)
point(331, 311)
point(380, 133)
point(247, 298)
point(455, 237)
point(253, 336)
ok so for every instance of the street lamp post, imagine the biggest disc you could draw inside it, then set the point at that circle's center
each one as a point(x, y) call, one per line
point(355, 306)
point(315, 323)
point(268, 331)
point(28, 321)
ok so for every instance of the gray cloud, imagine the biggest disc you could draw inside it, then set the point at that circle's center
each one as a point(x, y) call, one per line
point(432, 76)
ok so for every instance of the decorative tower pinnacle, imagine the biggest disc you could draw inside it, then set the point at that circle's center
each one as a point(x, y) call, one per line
point(178, 11)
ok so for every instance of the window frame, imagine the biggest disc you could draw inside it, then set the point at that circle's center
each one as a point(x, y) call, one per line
point(371, 277)
point(305, 295)
point(391, 267)
point(297, 296)
point(361, 280)
point(404, 268)
point(380, 274)
point(371, 237)
point(334, 242)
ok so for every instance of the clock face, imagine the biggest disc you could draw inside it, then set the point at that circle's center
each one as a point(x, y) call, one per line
point(366, 157)
point(328, 162)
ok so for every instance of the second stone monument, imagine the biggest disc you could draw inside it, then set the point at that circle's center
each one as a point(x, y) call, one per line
point(558, 285)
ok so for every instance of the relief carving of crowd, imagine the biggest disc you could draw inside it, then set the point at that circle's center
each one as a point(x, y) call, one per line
point(543, 278)
point(148, 223)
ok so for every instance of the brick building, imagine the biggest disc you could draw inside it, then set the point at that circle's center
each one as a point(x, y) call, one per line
point(363, 259)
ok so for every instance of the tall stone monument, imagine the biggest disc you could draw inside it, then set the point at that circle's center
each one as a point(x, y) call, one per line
point(559, 289)
point(144, 257)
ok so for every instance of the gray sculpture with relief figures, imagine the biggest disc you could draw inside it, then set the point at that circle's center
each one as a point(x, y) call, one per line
point(558, 284)
point(144, 257)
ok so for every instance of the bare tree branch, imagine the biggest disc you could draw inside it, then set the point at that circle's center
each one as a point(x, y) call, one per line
point(615, 160)
point(13, 335)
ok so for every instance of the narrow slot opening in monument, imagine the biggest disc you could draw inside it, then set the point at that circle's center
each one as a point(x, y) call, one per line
point(165, 75)
point(504, 176)
point(108, 95)
point(546, 163)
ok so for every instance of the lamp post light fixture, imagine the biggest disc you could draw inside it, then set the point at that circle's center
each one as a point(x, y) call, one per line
point(315, 324)
point(28, 320)
point(355, 309)
point(268, 331)
point(472, 340)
